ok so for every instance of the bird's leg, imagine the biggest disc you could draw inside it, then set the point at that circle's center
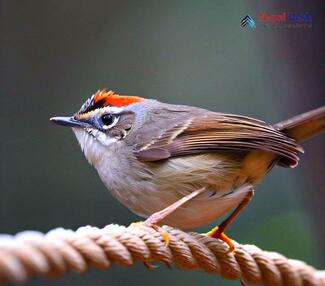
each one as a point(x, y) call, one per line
point(160, 215)
point(218, 231)
point(157, 217)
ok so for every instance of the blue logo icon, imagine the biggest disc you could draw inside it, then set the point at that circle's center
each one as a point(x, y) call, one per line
point(248, 21)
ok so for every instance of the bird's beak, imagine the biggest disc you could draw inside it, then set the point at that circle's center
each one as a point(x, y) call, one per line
point(69, 121)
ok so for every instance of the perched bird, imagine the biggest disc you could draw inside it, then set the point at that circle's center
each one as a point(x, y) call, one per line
point(182, 165)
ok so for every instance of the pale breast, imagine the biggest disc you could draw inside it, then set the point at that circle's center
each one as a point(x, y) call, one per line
point(146, 188)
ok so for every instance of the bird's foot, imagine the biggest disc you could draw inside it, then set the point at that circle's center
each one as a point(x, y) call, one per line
point(217, 233)
point(164, 234)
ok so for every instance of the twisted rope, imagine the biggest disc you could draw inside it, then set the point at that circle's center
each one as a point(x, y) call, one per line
point(31, 253)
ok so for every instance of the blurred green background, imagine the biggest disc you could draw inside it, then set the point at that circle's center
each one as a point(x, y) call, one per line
point(54, 54)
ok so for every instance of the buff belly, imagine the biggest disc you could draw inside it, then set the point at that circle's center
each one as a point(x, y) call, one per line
point(150, 187)
point(205, 209)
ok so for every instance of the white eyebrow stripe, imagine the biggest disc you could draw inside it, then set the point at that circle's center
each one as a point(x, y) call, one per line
point(112, 109)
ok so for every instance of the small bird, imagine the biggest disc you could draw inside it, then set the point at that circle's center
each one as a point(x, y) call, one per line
point(182, 165)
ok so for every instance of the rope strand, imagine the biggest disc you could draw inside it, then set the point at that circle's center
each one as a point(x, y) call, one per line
point(32, 253)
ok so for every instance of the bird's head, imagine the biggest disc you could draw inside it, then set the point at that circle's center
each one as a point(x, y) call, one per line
point(105, 118)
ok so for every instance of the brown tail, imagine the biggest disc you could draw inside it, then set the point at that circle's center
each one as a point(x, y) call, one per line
point(303, 126)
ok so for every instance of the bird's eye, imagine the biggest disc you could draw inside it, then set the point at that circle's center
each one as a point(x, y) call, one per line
point(109, 120)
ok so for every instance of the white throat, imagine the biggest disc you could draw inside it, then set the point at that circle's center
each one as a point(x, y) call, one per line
point(93, 143)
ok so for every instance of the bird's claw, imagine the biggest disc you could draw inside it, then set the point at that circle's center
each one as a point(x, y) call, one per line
point(216, 233)
point(164, 234)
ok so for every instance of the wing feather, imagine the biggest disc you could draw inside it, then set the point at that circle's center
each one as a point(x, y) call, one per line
point(212, 132)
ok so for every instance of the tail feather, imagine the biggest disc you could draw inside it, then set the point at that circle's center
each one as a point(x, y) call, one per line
point(303, 126)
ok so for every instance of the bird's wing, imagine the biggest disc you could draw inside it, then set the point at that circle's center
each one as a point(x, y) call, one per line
point(212, 132)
